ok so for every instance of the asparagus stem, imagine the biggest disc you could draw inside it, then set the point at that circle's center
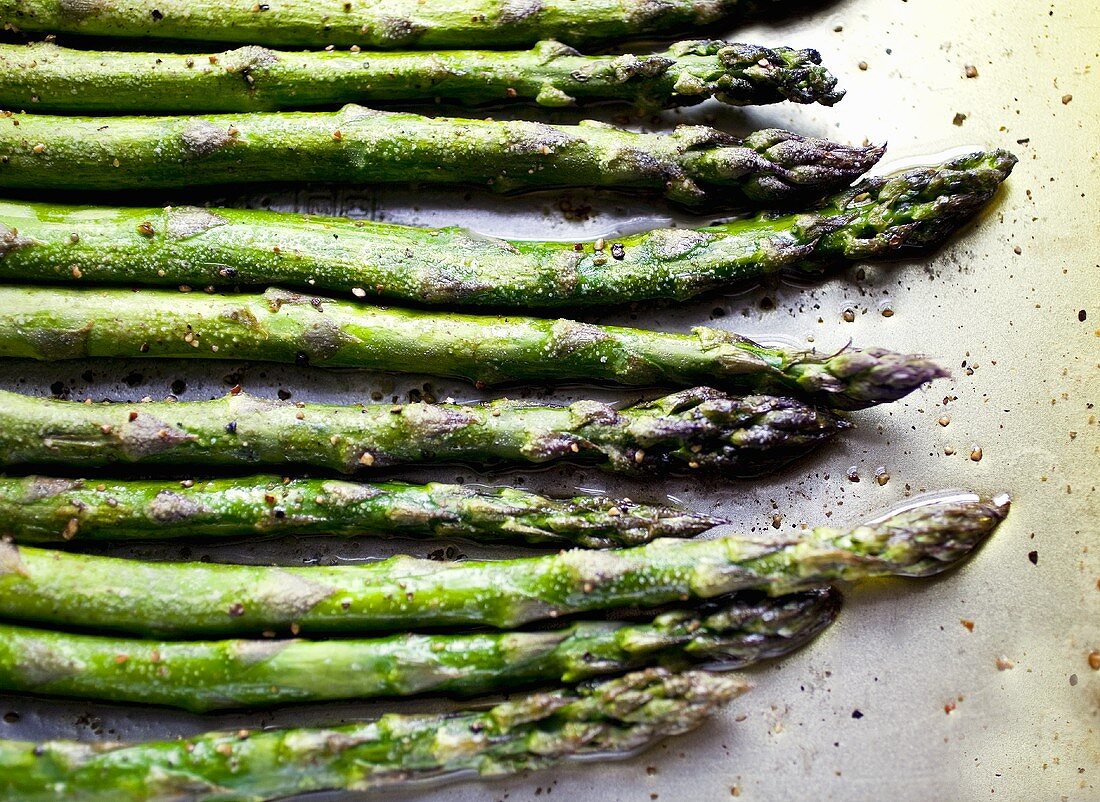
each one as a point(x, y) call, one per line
point(49, 78)
point(606, 718)
point(202, 599)
point(879, 217)
point(692, 164)
point(697, 430)
point(280, 326)
point(45, 509)
point(402, 24)
point(210, 675)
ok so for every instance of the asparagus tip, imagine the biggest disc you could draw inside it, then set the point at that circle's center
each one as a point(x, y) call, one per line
point(792, 169)
point(706, 429)
point(856, 378)
point(918, 208)
point(790, 74)
point(929, 536)
point(732, 635)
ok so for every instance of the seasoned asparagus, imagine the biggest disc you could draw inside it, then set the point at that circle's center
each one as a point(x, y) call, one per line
point(204, 599)
point(279, 326)
point(48, 78)
point(700, 430)
point(210, 675)
point(44, 509)
point(605, 718)
point(692, 164)
point(404, 24)
point(878, 217)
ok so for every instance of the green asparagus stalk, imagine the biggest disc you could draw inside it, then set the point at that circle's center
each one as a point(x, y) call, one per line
point(210, 675)
point(692, 164)
point(699, 430)
point(600, 719)
point(50, 324)
point(204, 599)
point(879, 217)
point(401, 24)
point(44, 509)
point(48, 78)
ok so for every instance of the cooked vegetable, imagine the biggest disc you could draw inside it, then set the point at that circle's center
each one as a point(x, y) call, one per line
point(44, 509)
point(607, 718)
point(357, 145)
point(205, 599)
point(877, 218)
point(210, 675)
point(403, 24)
point(48, 78)
point(698, 430)
point(280, 326)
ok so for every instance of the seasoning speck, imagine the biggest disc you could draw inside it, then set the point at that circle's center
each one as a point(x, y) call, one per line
point(862, 66)
point(857, 714)
point(958, 119)
point(1003, 663)
point(849, 316)
point(970, 71)
point(967, 623)
point(1066, 99)
point(976, 454)
point(1034, 557)
point(1094, 660)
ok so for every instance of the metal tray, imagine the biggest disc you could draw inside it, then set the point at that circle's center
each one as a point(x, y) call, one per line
point(899, 700)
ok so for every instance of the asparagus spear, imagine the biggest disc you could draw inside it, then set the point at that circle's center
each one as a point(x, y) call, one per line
point(203, 599)
point(400, 24)
point(879, 217)
point(699, 430)
point(44, 509)
point(280, 326)
point(49, 78)
point(692, 164)
point(210, 675)
point(606, 718)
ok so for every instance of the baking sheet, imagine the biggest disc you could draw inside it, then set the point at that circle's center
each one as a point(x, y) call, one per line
point(1012, 308)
